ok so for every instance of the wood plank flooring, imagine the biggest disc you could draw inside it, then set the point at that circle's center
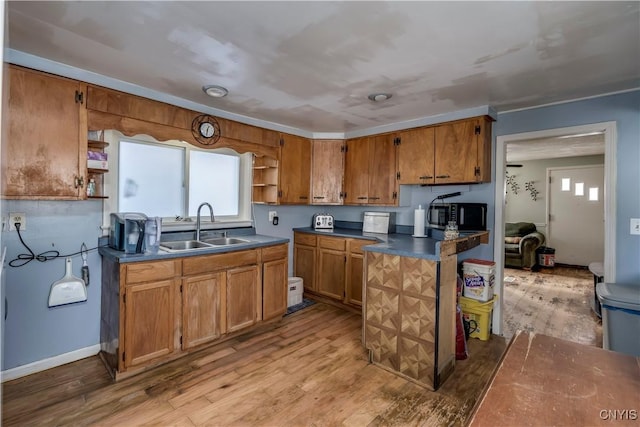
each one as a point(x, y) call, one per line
point(308, 370)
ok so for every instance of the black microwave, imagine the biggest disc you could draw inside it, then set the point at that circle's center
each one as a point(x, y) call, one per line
point(467, 216)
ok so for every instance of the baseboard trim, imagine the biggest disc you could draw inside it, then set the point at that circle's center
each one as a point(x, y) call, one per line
point(52, 362)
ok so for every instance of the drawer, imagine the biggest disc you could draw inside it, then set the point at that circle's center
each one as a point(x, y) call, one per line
point(355, 246)
point(335, 243)
point(271, 253)
point(211, 263)
point(304, 239)
point(150, 271)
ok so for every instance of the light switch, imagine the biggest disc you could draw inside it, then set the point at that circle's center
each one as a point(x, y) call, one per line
point(635, 225)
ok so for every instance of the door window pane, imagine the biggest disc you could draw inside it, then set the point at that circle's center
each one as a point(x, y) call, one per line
point(566, 184)
point(150, 179)
point(579, 189)
point(593, 194)
point(214, 178)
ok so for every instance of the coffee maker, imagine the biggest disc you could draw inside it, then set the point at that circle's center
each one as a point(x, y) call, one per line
point(127, 232)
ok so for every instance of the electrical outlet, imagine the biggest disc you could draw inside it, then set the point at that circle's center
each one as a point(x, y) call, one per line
point(17, 217)
point(272, 214)
point(635, 225)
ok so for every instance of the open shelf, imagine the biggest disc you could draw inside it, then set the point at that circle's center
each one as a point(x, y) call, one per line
point(265, 180)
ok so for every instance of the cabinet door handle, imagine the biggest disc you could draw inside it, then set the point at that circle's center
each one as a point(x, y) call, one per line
point(318, 197)
point(374, 198)
point(303, 197)
point(362, 198)
point(442, 176)
point(426, 177)
point(78, 182)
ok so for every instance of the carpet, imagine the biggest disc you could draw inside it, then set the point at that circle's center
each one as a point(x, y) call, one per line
point(554, 302)
point(304, 304)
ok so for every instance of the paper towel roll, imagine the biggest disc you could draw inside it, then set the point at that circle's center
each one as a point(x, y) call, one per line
point(418, 222)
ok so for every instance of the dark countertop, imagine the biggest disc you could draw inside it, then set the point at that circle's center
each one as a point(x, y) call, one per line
point(394, 244)
point(255, 241)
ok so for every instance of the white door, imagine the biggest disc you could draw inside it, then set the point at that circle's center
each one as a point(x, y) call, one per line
point(576, 214)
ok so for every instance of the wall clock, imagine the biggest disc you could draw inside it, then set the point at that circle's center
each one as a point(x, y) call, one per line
point(205, 129)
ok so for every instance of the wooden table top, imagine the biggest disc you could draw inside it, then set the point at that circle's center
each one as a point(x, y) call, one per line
point(545, 381)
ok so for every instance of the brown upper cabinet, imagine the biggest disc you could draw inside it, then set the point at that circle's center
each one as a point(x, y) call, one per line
point(416, 151)
point(463, 151)
point(451, 153)
point(45, 149)
point(327, 171)
point(370, 171)
point(295, 164)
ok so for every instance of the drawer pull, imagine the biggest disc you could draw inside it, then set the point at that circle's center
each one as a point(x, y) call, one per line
point(443, 176)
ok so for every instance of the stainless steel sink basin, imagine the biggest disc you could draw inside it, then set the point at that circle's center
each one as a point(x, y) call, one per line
point(184, 245)
point(224, 241)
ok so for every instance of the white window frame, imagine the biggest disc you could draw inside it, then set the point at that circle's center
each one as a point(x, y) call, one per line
point(110, 205)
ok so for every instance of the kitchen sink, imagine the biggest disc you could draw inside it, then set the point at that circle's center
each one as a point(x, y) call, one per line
point(184, 245)
point(190, 245)
point(224, 241)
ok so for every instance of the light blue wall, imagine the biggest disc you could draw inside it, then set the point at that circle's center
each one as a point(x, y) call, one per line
point(33, 331)
point(624, 109)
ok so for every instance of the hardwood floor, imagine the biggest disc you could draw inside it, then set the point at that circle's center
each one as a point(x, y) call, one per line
point(309, 369)
point(553, 301)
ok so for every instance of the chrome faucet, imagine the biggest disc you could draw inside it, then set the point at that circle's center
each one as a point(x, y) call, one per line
point(198, 218)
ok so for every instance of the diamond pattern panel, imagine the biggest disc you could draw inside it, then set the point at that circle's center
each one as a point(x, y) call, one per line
point(419, 276)
point(392, 275)
point(418, 318)
point(383, 308)
point(416, 360)
point(400, 319)
point(383, 345)
point(374, 269)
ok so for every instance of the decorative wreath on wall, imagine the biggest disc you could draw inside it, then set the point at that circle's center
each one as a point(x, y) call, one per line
point(205, 129)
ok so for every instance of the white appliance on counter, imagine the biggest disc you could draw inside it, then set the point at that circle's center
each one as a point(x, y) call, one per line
point(379, 222)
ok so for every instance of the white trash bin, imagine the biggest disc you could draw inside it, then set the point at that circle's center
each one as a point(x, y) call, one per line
point(294, 291)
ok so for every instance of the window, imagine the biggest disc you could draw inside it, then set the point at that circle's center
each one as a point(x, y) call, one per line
point(579, 189)
point(171, 179)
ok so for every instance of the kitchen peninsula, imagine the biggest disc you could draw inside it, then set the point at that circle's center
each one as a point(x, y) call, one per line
point(408, 293)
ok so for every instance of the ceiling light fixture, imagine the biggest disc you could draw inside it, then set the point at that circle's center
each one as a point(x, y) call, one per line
point(215, 91)
point(378, 97)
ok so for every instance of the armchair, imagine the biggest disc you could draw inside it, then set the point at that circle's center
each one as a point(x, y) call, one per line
point(520, 244)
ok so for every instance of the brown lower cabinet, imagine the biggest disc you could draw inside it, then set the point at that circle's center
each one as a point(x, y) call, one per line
point(330, 266)
point(156, 311)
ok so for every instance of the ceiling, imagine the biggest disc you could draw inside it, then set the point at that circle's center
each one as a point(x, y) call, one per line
point(311, 65)
point(556, 147)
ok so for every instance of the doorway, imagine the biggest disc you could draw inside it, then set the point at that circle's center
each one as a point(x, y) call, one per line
point(608, 129)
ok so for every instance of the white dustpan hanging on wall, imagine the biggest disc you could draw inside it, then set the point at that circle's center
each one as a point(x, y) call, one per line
point(67, 290)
